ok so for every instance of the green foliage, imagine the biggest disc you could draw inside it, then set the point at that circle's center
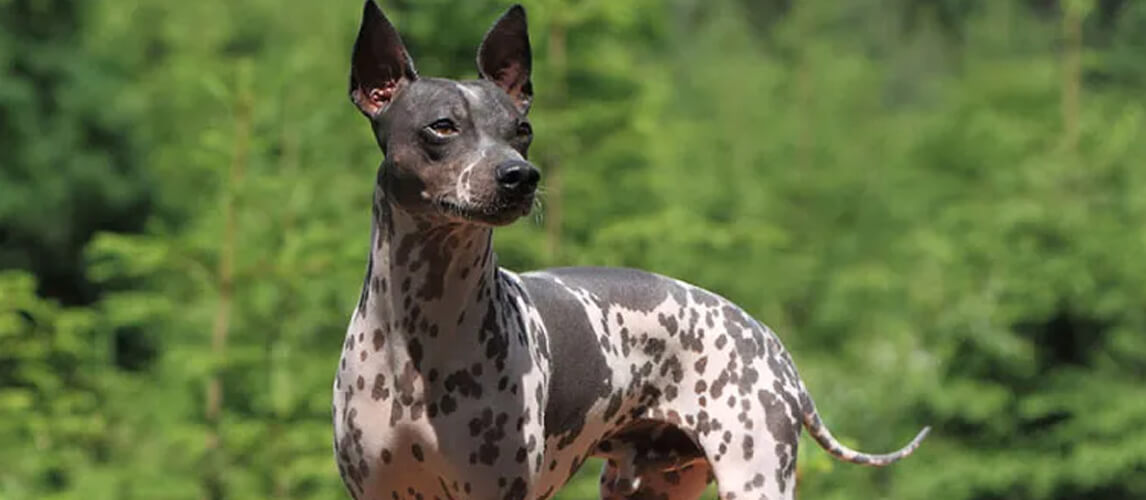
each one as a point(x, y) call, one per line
point(935, 195)
point(65, 152)
point(52, 382)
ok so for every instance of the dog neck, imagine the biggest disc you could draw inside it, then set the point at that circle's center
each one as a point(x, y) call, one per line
point(426, 276)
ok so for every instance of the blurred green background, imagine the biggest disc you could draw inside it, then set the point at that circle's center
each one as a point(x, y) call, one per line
point(939, 204)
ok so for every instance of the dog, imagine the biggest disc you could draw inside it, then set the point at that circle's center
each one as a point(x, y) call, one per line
point(459, 379)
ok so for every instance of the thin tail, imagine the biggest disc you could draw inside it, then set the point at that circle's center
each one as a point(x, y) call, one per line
point(824, 437)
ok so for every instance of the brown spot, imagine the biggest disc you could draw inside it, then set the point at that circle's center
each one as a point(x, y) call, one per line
point(379, 391)
point(379, 339)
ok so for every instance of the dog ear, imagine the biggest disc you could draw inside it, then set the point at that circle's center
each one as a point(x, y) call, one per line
point(505, 59)
point(380, 67)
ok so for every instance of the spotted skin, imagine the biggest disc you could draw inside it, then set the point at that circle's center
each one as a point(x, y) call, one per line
point(548, 368)
point(440, 385)
point(460, 379)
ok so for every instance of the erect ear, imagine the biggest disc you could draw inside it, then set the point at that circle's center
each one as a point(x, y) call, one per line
point(380, 67)
point(505, 59)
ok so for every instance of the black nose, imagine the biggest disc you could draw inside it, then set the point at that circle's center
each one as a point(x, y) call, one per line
point(517, 176)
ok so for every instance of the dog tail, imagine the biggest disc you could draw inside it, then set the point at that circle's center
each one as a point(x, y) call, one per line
point(824, 437)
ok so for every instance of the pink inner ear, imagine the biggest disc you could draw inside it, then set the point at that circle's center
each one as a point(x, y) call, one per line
point(509, 77)
point(374, 100)
point(384, 94)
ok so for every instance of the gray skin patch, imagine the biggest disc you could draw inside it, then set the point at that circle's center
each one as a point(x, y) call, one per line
point(573, 387)
point(421, 169)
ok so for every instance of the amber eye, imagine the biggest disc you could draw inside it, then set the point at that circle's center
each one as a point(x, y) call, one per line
point(443, 128)
point(524, 129)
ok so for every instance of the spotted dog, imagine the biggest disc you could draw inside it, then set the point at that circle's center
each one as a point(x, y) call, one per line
point(459, 379)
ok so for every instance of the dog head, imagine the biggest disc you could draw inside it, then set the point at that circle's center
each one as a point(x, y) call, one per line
point(455, 150)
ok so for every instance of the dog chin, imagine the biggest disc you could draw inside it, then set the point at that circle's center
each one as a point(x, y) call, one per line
point(486, 214)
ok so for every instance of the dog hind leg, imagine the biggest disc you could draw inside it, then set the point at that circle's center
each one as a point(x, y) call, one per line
point(686, 483)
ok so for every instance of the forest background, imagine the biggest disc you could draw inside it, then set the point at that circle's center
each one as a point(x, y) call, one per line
point(940, 205)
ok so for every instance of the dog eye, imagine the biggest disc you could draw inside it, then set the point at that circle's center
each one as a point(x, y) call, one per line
point(524, 129)
point(443, 128)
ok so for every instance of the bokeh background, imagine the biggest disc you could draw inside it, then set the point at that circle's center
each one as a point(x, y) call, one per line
point(939, 204)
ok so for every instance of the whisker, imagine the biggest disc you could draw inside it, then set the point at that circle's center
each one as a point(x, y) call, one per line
point(538, 209)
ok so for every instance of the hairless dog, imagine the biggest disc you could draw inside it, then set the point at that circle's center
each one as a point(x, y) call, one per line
point(460, 379)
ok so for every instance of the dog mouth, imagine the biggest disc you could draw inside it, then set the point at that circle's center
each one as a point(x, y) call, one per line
point(496, 213)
